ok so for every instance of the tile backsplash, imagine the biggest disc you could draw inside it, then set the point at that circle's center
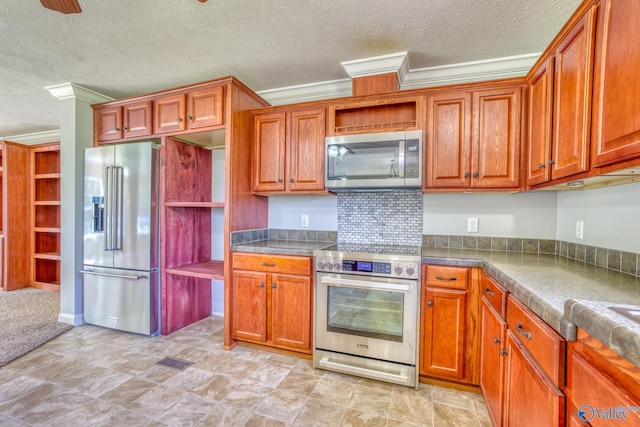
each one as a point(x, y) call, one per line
point(380, 218)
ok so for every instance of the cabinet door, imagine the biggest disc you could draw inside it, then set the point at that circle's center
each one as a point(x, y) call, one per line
point(572, 100)
point(291, 312)
point(540, 132)
point(108, 124)
point(494, 330)
point(205, 107)
point(448, 140)
point(249, 306)
point(531, 399)
point(443, 340)
point(137, 119)
point(269, 150)
point(616, 83)
point(305, 150)
point(496, 138)
point(169, 114)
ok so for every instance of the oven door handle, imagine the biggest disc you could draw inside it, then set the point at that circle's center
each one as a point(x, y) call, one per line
point(365, 284)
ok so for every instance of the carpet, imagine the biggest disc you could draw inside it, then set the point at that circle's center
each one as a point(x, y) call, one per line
point(28, 319)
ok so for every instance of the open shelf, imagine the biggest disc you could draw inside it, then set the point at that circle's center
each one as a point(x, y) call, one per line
point(204, 270)
point(387, 115)
point(194, 204)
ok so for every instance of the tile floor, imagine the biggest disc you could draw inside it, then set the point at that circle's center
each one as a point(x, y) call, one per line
point(91, 376)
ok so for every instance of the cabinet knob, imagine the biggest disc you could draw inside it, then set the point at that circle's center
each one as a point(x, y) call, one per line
point(496, 340)
point(179, 119)
point(467, 174)
point(291, 180)
point(262, 285)
point(476, 174)
point(126, 128)
point(503, 352)
point(190, 117)
point(280, 180)
point(430, 303)
point(274, 286)
point(541, 166)
point(551, 162)
point(117, 129)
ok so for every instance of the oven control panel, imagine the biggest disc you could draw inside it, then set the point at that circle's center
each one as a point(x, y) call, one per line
point(397, 269)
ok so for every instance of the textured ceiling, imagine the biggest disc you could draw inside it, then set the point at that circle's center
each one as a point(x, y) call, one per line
point(125, 47)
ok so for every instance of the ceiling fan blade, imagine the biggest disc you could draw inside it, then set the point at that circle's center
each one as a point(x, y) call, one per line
point(62, 6)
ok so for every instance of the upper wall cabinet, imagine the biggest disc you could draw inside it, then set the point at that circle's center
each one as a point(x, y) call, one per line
point(473, 139)
point(289, 151)
point(183, 110)
point(117, 122)
point(616, 83)
point(560, 105)
point(192, 110)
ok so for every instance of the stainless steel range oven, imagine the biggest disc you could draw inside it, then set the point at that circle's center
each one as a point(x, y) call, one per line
point(366, 312)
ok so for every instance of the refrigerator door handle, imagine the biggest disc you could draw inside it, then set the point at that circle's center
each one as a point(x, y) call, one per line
point(118, 202)
point(119, 276)
point(107, 208)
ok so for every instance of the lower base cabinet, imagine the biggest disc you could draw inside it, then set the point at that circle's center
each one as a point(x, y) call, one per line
point(492, 361)
point(272, 301)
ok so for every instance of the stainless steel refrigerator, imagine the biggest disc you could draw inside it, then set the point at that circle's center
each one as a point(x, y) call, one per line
point(121, 237)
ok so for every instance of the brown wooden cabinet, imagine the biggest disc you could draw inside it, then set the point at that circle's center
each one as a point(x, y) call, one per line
point(45, 216)
point(616, 83)
point(289, 151)
point(492, 348)
point(535, 370)
point(599, 379)
point(128, 121)
point(272, 300)
point(449, 325)
point(197, 109)
point(559, 137)
point(473, 139)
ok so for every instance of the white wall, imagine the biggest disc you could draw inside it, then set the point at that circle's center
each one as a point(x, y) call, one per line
point(531, 214)
point(611, 216)
point(285, 212)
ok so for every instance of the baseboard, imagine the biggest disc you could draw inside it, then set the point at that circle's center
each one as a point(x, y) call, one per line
point(71, 319)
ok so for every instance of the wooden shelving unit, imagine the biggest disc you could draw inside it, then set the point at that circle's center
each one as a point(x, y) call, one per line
point(45, 216)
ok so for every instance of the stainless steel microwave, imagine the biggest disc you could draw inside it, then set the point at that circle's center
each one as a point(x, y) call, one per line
point(376, 161)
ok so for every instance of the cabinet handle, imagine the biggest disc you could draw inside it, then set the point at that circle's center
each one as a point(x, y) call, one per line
point(496, 340)
point(262, 285)
point(522, 332)
point(268, 264)
point(467, 174)
point(503, 352)
point(476, 174)
point(126, 128)
point(430, 303)
point(551, 163)
point(274, 286)
point(280, 180)
point(448, 279)
point(179, 119)
point(117, 129)
point(488, 292)
point(291, 180)
point(541, 166)
point(190, 117)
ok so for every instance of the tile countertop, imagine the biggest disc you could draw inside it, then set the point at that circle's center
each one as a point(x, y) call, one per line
point(565, 293)
point(281, 247)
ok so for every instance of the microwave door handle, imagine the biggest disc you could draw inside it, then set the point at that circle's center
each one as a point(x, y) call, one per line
point(401, 158)
point(365, 284)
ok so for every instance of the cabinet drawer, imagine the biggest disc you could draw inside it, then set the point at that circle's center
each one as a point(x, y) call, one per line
point(544, 344)
point(495, 294)
point(590, 387)
point(273, 263)
point(447, 277)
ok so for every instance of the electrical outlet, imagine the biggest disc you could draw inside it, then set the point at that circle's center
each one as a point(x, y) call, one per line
point(579, 230)
point(472, 225)
point(304, 221)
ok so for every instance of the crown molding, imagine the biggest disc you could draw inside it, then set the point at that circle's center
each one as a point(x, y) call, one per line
point(73, 90)
point(35, 138)
point(307, 92)
point(465, 72)
point(383, 64)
